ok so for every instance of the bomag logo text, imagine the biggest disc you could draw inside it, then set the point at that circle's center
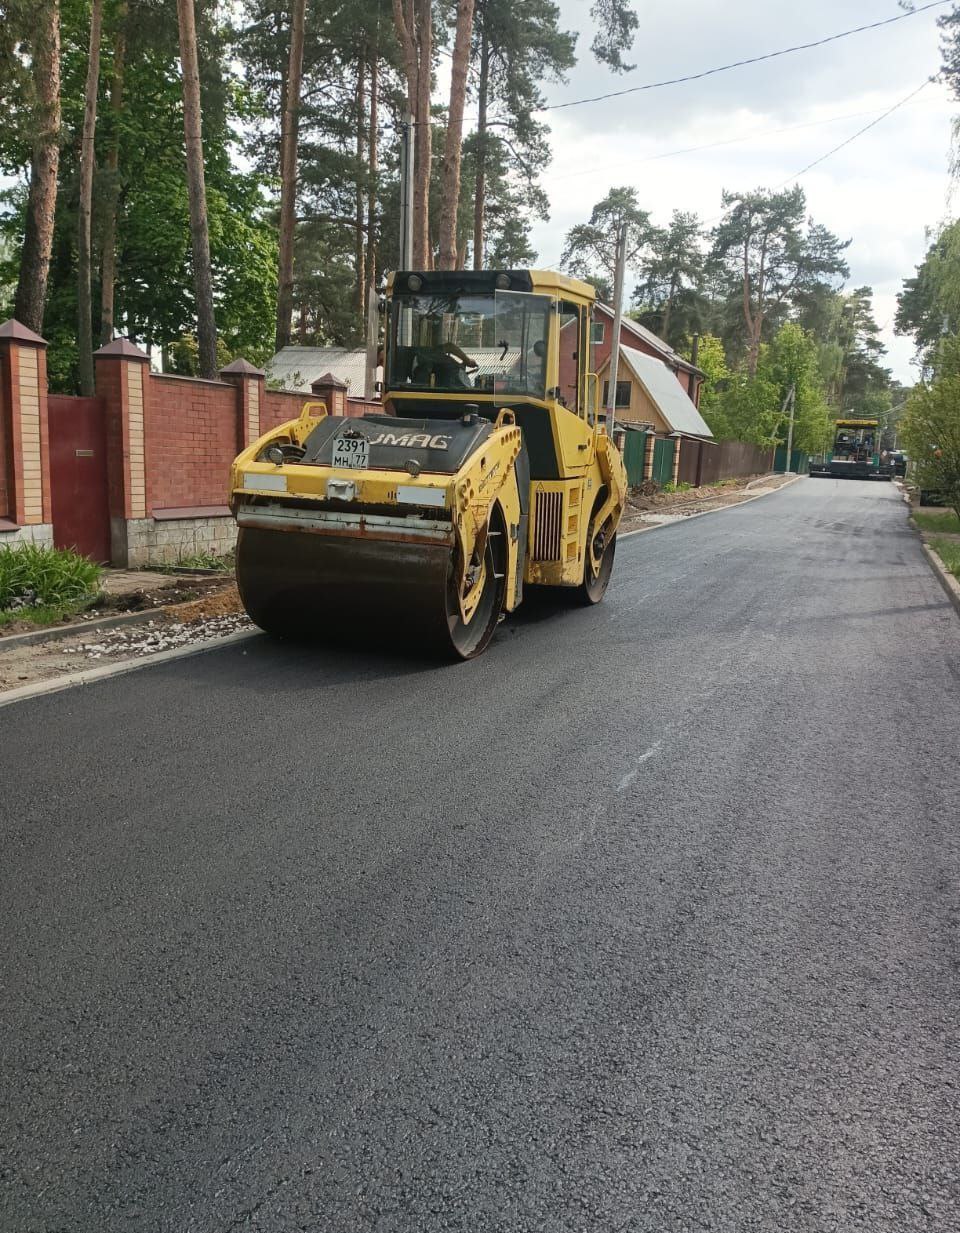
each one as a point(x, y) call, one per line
point(412, 440)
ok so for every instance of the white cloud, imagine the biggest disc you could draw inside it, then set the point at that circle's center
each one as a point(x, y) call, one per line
point(881, 192)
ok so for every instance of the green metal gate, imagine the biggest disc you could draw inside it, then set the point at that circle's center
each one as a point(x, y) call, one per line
point(663, 461)
point(634, 452)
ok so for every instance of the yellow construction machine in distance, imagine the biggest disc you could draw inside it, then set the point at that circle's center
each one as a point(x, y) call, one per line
point(488, 470)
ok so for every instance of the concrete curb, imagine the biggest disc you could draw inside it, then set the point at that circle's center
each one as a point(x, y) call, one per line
point(11, 641)
point(947, 580)
point(92, 675)
point(662, 526)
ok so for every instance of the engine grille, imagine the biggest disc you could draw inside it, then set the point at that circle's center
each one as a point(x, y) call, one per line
point(548, 526)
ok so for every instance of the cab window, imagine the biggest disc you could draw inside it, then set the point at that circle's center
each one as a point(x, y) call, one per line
point(571, 326)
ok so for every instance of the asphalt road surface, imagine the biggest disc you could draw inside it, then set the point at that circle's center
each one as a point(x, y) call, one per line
point(645, 921)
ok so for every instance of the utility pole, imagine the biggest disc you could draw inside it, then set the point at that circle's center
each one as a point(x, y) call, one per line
point(791, 399)
point(617, 318)
point(407, 152)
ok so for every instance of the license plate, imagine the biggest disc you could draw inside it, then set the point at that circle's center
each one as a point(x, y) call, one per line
point(351, 452)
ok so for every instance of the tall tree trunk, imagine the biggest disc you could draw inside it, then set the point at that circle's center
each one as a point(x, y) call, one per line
point(42, 201)
point(361, 125)
point(450, 180)
point(372, 170)
point(196, 188)
point(88, 158)
point(289, 138)
point(480, 189)
point(668, 308)
point(423, 158)
point(413, 20)
point(753, 347)
point(108, 263)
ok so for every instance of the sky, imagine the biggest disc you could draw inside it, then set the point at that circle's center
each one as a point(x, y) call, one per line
point(882, 192)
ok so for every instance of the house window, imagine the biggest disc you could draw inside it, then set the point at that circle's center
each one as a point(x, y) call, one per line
point(623, 394)
point(596, 332)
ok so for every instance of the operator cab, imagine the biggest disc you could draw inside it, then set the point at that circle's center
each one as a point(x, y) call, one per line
point(495, 339)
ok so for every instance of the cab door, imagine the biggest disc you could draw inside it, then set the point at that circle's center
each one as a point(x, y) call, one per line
point(572, 350)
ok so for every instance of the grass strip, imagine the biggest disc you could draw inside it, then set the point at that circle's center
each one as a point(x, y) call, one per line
point(944, 522)
point(948, 550)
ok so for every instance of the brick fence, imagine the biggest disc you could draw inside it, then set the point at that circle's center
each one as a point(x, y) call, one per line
point(169, 443)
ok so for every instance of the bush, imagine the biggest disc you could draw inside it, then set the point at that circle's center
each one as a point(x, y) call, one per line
point(931, 427)
point(33, 577)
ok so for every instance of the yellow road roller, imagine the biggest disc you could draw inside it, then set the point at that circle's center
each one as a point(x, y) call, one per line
point(487, 471)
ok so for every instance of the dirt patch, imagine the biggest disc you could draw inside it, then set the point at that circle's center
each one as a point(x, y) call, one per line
point(26, 665)
point(142, 592)
point(218, 603)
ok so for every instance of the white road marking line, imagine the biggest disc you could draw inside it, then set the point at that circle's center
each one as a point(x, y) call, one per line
point(628, 779)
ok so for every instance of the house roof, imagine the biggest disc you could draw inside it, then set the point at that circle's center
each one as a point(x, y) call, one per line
point(651, 339)
point(666, 392)
point(298, 367)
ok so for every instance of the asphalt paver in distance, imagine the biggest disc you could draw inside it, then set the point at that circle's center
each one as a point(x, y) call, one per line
point(645, 921)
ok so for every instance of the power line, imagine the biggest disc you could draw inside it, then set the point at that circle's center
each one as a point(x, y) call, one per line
point(727, 141)
point(770, 55)
point(830, 153)
point(859, 133)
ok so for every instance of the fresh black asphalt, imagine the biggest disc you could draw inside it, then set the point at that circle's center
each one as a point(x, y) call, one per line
point(646, 921)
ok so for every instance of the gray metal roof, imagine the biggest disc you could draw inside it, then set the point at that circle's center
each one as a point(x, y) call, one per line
point(298, 367)
point(663, 388)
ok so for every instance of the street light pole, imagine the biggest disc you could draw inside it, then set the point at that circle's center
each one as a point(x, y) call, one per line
point(407, 142)
point(617, 319)
point(792, 400)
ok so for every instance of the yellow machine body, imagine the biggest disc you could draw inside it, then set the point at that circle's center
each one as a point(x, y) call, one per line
point(487, 471)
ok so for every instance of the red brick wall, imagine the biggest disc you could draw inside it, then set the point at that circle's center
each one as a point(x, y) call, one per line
point(192, 435)
point(279, 406)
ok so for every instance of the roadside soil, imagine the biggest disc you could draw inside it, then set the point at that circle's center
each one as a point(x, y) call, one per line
point(210, 614)
point(647, 510)
point(124, 590)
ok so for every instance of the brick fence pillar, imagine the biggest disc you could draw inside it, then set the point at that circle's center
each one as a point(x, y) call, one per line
point(249, 382)
point(24, 437)
point(122, 377)
point(648, 455)
point(332, 391)
point(677, 442)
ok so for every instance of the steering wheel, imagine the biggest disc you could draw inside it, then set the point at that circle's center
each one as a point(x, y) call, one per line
point(453, 352)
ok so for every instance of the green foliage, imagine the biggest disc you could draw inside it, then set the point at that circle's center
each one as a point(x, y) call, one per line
point(154, 288)
point(749, 410)
point(31, 576)
point(928, 307)
point(742, 407)
point(616, 25)
point(590, 249)
point(768, 257)
point(930, 427)
point(208, 560)
point(792, 360)
point(670, 295)
point(713, 362)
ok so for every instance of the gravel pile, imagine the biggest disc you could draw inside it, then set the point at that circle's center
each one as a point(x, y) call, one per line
point(157, 636)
